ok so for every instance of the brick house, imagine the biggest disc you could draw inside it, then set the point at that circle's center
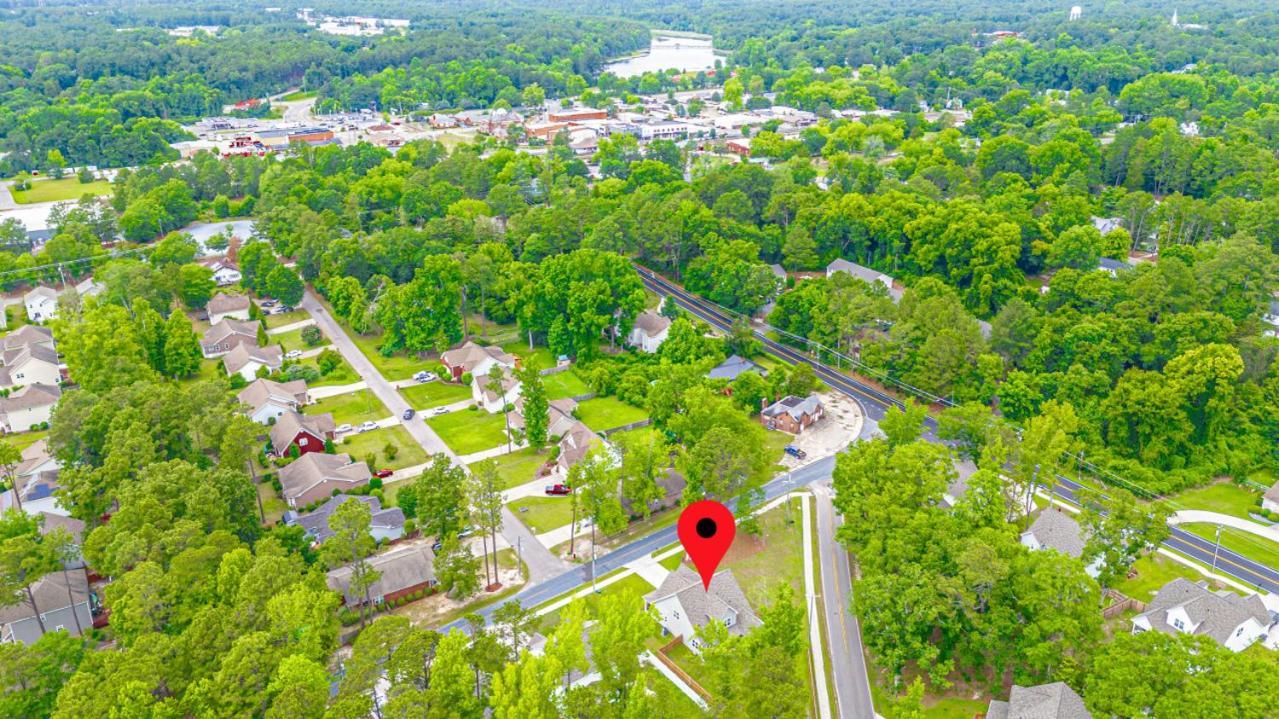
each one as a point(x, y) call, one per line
point(306, 432)
point(792, 414)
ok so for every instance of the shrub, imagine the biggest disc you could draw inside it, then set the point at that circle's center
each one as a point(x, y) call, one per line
point(312, 336)
point(390, 450)
point(466, 378)
point(375, 483)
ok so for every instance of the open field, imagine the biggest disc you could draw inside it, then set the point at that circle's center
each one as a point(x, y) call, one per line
point(434, 394)
point(604, 413)
point(359, 446)
point(67, 188)
point(353, 407)
point(1223, 497)
point(469, 430)
point(542, 514)
point(519, 466)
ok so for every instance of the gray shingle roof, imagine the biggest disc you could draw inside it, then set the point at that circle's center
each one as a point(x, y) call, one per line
point(30, 396)
point(794, 406)
point(1215, 614)
point(316, 523)
point(1056, 529)
point(223, 303)
point(859, 271)
point(1045, 701)
point(1272, 494)
point(237, 359)
point(470, 355)
point(50, 594)
point(734, 367)
point(313, 468)
point(702, 604)
point(287, 426)
point(651, 323)
point(261, 390)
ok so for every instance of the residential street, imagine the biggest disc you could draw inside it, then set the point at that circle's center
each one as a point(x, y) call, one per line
point(844, 635)
point(542, 565)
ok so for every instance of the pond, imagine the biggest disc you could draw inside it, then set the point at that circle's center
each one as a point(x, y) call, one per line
point(685, 52)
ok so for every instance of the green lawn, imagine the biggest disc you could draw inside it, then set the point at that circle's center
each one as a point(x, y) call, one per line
point(691, 663)
point(15, 316)
point(633, 585)
point(1223, 497)
point(539, 357)
point(955, 708)
point(409, 452)
point(564, 384)
point(1258, 549)
point(542, 514)
point(426, 395)
point(342, 374)
point(292, 340)
point(22, 440)
point(296, 96)
point(288, 318)
point(672, 562)
point(396, 367)
point(272, 506)
point(605, 413)
point(354, 407)
point(780, 560)
point(68, 188)
point(1154, 571)
point(469, 430)
point(519, 467)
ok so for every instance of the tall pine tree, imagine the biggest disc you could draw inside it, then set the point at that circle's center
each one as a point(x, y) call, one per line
point(181, 347)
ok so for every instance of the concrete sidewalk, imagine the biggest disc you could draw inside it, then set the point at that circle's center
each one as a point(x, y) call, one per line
point(1185, 516)
point(290, 327)
point(319, 393)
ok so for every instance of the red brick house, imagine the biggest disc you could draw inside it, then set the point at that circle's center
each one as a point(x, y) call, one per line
point(792, 414)
point(306, 432)
point(402, 571)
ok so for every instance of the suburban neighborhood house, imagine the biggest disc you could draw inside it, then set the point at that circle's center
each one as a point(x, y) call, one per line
point(649, 331)
point(306, 432)
point(35, 480)
point(227, 334)
point(316, 476)
point(792, 414)
point(247, 360)
point(684, 606)
point(485, 397)
point(387, 524)
point(29, 358)
point(224, 306)
point(224, 272)
point(401, 572)
point(734, 367)
point(65, 604)
point(476, 360)
point(1184, 607)
point(266, 399)
point(28, 408)
point(1045, 701)
point(559, 413)
point(861, 272)
point(672, 484)
point(41, 304)
point(1270, 500)
point(576, 442)
point(1054, 529)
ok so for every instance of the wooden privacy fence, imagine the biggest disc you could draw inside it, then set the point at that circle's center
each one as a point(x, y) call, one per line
point(679, 671)
point(1120, 603)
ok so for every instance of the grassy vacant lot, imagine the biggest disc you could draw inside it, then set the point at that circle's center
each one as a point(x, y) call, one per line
point(604, 413)
point(408, 452)
point(292, 340)
point(469, 430)
point(1154, 571)
point(435, 394)
point(519, 467)
point(353, 407)
point(1258, 549)
point(296, 96)
point(68, 188)
point(564, 384)
point(287, 318)
point(396, 367)
point(761, 565)
point(1223, 497)
point(272, 506)
point(542, 514)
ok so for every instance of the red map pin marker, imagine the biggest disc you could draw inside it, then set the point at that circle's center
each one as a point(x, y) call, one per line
point(706, 529)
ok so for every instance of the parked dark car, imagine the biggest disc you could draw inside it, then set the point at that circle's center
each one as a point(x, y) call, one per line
point(383, 473)
point(408, 413)
point(796, 452)
point(561, 489)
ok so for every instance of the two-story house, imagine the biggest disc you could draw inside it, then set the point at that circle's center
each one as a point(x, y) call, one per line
point(649, 331)
point(227, 334)
point(306, 432)
point(315, 476)
point(683, 605)
point(1184, 607)
point(476, 360)
point(265, 400)
point(1054, 529)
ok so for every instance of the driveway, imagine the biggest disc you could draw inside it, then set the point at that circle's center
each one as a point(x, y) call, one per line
point(542, 565)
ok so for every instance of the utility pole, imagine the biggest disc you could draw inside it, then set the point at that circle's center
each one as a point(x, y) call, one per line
point(1216, 549)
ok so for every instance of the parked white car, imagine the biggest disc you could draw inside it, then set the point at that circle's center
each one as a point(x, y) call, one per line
point(440, 410)
point(293, 354)
point(368, 426)
point(341, 428)
point(425, 377)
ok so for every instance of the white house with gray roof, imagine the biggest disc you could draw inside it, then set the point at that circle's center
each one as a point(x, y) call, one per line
point(265, 400)
point(1270, 500)
point(683, 605)
point(1184, 607)
point(41, 304)
point(1054, 529)
point(861, 272)
point(1045, 701)
point(649, 331)
point(228, 306)
point(28, 407)
point(62, 598)
point(29, 357)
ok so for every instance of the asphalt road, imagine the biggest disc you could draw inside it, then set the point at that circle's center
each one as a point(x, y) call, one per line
point(844, 633)
point(541, 563)
point(877, 402)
